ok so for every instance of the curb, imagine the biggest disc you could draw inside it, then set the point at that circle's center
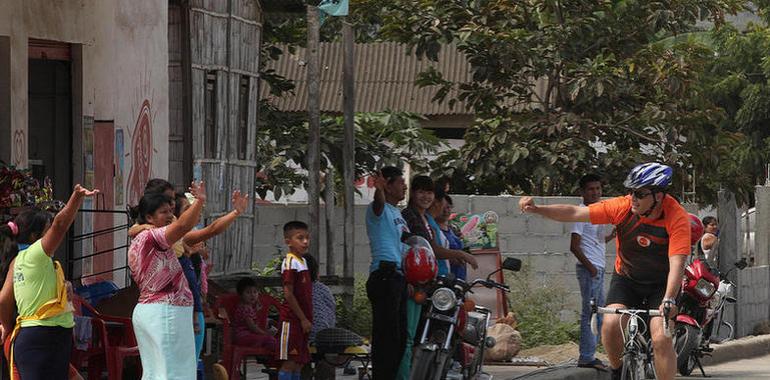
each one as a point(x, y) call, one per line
point(566, 373)
point(742, 348)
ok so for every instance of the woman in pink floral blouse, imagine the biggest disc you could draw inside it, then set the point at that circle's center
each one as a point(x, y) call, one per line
point(163, 317)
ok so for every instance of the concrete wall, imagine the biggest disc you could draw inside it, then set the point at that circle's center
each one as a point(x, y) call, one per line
point(119, 73)
point(542, 244)
point(753, 295)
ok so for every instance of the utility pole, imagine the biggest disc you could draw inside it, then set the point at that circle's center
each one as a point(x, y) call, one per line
point(314, 139)
point(349, 147)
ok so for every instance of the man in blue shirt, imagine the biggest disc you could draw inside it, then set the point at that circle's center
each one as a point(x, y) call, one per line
point(386, 287)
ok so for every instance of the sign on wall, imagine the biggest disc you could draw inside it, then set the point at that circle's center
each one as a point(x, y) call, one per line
point(119, 165)
point(478, 231)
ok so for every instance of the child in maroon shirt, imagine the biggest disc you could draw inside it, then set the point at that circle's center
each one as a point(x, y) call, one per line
point(298, 292)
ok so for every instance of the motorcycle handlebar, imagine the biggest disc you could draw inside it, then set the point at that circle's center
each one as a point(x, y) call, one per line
point(490, 284)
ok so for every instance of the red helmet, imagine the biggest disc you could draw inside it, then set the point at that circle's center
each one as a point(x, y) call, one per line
point(419, 263)
point(696, 229)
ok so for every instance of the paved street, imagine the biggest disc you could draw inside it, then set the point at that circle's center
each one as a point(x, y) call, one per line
point(747, 369)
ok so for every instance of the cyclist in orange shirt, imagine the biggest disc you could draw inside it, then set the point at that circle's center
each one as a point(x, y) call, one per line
point(653, 241)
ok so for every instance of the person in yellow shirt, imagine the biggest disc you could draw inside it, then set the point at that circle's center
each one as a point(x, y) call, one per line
point(42, 333)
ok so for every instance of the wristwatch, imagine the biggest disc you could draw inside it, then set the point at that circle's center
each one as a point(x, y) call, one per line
point(669, 300)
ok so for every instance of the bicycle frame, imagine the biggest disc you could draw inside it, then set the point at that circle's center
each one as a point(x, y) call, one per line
point(635, 344)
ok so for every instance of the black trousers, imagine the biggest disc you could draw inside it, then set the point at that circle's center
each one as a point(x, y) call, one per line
point(387, 293)
point(43, 353)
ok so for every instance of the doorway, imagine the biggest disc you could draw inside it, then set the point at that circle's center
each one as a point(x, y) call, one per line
point(50, 119)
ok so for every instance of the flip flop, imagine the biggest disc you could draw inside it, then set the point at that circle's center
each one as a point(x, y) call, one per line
point(596, 364)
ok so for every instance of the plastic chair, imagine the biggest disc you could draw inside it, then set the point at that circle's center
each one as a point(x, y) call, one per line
point(234, 355)
point(112, 341)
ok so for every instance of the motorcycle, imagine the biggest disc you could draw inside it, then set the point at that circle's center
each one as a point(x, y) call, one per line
point(454, 337)
point(702, 300)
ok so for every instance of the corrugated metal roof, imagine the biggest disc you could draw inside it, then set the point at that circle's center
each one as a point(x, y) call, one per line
point(385, 75)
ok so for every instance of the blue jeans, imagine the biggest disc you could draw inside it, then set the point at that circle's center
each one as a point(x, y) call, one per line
point(590, 287)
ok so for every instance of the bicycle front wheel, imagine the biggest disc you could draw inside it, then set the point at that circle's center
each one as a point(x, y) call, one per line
point(633, 367)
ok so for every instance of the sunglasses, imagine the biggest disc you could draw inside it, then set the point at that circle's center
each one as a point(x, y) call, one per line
point(640, 194)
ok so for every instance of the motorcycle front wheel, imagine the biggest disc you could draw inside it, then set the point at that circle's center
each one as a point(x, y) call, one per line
point(686, 341)
point(424, 365)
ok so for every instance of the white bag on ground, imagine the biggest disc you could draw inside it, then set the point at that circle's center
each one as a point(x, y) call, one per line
point(508, 343)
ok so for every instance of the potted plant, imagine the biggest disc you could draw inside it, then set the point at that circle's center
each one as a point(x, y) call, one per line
point(19, 190)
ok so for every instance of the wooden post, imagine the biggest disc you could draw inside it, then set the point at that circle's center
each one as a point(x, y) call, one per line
point(314, 116)
point(329, 194)
point(729, 245)
point(348, 148)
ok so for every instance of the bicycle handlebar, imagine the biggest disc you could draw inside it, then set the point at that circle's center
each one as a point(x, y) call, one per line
point(634, 312)
point(614, 310)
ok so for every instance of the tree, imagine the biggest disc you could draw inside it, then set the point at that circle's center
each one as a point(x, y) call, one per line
point(388, 137)
point(737, 80)
point(561, 88)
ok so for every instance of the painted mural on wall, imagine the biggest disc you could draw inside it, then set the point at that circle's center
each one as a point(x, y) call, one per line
point(119, 166)
point(88, 152)
point(141, 154)
point(19, 148)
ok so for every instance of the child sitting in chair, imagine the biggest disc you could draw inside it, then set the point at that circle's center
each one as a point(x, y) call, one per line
point(249, 330)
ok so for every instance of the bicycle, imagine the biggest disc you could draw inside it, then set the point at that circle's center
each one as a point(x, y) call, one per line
point(637, 346)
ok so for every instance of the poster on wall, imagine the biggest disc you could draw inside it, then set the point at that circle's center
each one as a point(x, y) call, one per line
point(88, 152)
point(478, 231)
point(88, 227)
point(119, 165)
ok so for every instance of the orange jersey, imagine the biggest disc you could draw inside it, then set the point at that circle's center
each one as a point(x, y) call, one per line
point(643, 244)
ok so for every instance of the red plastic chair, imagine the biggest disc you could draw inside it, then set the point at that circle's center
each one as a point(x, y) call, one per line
point(233, 355)
point(112, 341)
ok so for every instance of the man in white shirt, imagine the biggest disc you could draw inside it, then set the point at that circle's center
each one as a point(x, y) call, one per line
point(588, 244)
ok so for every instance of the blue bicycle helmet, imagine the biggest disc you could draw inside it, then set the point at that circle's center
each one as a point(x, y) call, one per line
point(651, 174)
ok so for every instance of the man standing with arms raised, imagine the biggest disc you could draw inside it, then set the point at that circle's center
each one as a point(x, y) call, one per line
point(386, 287)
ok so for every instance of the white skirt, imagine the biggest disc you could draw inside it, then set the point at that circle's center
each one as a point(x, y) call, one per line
point(166, 341)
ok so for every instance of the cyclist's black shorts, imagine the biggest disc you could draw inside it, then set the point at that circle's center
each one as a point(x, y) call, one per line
point(634, 295)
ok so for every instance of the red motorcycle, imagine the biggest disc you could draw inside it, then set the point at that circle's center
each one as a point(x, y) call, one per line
point(451, 343)
point(704, 294)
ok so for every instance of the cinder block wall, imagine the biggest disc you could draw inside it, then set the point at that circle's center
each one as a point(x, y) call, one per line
point(541, 243)
point(753, 295)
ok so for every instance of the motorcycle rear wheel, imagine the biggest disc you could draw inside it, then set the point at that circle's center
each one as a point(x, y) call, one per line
point(686, 341)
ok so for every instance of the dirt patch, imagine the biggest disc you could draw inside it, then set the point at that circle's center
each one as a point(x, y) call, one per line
point(555, 354)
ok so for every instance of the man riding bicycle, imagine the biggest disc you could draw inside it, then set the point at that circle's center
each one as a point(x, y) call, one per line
point(653, 241)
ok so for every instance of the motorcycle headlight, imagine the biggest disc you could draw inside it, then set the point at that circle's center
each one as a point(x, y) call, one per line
point(704, 288)
point(443, 299)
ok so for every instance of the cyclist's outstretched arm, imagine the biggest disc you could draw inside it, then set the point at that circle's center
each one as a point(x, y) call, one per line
point(560, 212)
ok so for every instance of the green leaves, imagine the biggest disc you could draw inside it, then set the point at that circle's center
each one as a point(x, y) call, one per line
point(381, 138)
point(562, 88)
